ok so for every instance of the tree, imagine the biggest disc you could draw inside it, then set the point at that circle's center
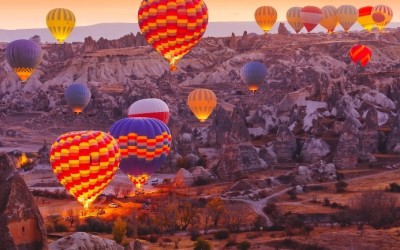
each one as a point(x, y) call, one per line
point(126, 192)
point(187, 214)
point(167, 215)
point(292, 194)
point(119, 230)
point(202, 245)
point(215, 208)
point(117, 190)
point(72, 216)
point(234, 217)
point(341, 186)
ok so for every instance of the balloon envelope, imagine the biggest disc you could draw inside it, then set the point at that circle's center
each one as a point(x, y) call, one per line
point(360, 53)
point(294, 19)
point(202, 103)
point(23, 56)
point(77, 96)
point(365, 18)
point(60, 22)
point(145, 144)
point(253, 74)
point(173, 27)
point(150, 107)
point(85, 162)
point(348, 15)
point(265, 17)
point(329, 18)
point(382, 15)
point(310, 17)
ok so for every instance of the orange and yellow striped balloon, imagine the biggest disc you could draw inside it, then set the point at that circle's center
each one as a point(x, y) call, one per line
point(266, 17)
point(294, 19)
point(348, 15)
point(360, 53)
point(173, 27)
point(85, 162)
point(329, 18)
point(202, 103)
point(382, 15)
point(60, 22)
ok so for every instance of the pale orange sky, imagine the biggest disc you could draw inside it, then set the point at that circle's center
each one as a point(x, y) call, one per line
point(19, 14)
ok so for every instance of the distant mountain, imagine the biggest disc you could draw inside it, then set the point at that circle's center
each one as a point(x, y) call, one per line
point(117, 30)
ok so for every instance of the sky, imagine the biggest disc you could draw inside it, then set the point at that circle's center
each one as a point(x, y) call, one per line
point(23, 14)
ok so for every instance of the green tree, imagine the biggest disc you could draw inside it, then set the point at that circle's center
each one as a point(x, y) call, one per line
point(119, 230)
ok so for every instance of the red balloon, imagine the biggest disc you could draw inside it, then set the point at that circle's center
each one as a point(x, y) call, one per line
point(310, 17)
point(360, 53)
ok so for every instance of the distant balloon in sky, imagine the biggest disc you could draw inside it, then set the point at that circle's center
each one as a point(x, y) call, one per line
point(253, 74)
point(150, 107)
point(266, 17)
point(310, 17)
point(173, 27)
point(77, 96)
point(360, 53)
point(329, 18)
point(23, 56)
point(348, 15)
point(145, 144)
point(365, 18)
point(60, 22)
point(202, 102)
point(85, 162)
point(382, 15)
point(294, 19)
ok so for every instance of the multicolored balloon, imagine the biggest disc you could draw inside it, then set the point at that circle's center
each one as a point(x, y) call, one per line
point(294, 19)
point(150, 107)
point(23, 56)
point(253, 74)
point(85, 162)
point(348, 15)
point(329, 18)
point(202, 103)
point(382, 15)
point(310, 17)
point(365, 18)
point(266, 17)
point(145, 144)
point(173, 27)
point(360, 53)
point(60, 22)
point(77, 96)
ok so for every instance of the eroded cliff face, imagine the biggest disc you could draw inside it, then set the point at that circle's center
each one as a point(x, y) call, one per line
point(21, 224)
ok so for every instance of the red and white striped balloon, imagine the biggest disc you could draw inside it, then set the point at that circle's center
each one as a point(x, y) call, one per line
point(310, 17)
point(151, 108)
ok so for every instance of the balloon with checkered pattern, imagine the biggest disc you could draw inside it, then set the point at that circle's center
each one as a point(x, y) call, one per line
point(85, 162)
point(173, 27)
point(145, 144)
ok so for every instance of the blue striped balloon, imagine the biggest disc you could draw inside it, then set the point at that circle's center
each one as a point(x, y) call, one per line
point(23, 56)
point(253, 74)
point(144, 144)
point(77, 96)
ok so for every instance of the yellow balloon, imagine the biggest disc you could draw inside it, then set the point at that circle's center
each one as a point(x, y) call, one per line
point(365, 18)
point(266, 17)
point(202, 103)
point(60, 23)
point(294, 19)
point(382, 15)
point(329, 18)
point(347, 15)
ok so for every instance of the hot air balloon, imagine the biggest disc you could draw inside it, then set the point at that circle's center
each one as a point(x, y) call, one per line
point(151, 107)
point(382, 15)
point(329, 18)
point(173, 27)
point(294, 19)
point(365, 18)
point(360, 53)
point(23, 56)
point(202, 103)
point(310, 17)
point(347, 15)
point(77, 96)
point(145, 144)
point(60, 23)
point(266, 17)
point(253, 74)
point(85, 162)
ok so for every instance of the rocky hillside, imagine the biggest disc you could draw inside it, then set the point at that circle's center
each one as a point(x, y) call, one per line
point(315, 104)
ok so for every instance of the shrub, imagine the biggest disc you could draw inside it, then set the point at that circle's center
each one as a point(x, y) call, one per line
point(221, 234)
point(119, 230)
point(244, 245)
point(95, 225)
point(61, 226)
point(394, 187)
point(231, 243)
point(152, 238)
point(202, 244)
point(341, 186)
point(292, 194)
point(194, 234)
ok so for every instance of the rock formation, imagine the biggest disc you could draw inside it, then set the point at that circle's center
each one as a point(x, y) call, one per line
point(268, 155)
point(285, 145)
point(393, 141)
point(369, 136)
point(183, 178)
point(347, 150)
point(314, 150)
point(233, 44)
point(282, 30)
point(21, 224)
point(83, 240)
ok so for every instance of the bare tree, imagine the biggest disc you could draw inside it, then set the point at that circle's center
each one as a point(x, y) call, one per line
point(71, 216)
point(215, 208)
point(234, 217)
point(126, 192)
point(376, 208)
point(117, 190)
point(167, 217)
point(187, 214)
